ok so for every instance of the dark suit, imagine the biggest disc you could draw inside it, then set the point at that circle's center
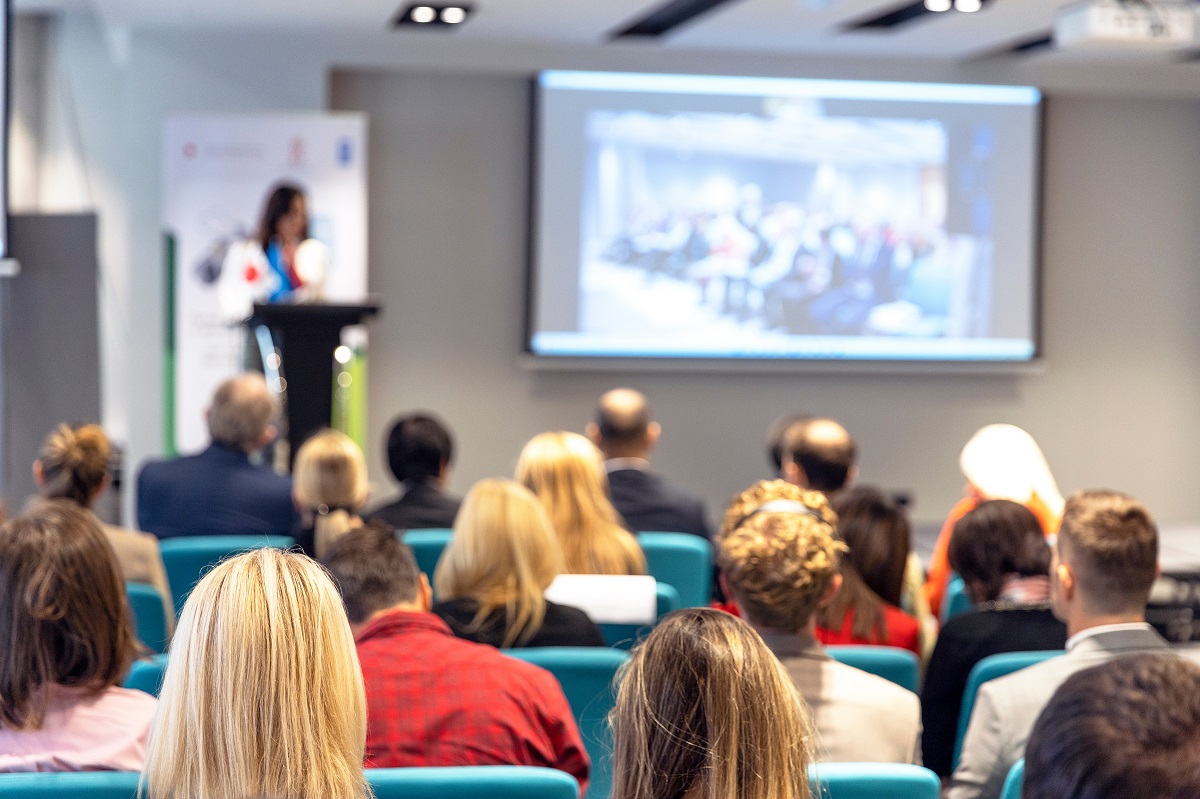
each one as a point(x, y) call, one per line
point(422, 506)
point(649, 503)
point(217, 492)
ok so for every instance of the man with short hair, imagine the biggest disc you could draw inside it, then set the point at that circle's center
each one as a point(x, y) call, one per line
point(1126, 729)
point(818, 454)
point(219, 491)
point(776, 440)
point(1105, 559)
point(779, 563)
point(625, 433)
point(419, 452)
point(437, 700)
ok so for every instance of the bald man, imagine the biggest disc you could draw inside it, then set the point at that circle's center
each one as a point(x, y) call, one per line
point(219, 491)
point(626, 434)
point(818, 454)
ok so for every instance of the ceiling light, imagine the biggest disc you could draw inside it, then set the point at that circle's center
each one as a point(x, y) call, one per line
point(422, 15)
point(432, 15)
point(937, 6)
point(968, 6)
point(452, 15)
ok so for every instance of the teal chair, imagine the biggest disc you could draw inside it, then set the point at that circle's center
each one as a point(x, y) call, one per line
point(683, 561)
point(990, 668)
point(586, 675)
point(146, 675)
point(624, 636)
point(956, 601)
point(872, 781)
point(70, 785)
point(470, 782)
point(188, 558)
point(427, 546)
point(898, 665)
point(149, 615)
point(1015, 781)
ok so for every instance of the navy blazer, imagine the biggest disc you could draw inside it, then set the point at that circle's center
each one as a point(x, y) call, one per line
point(217, 492)
point(649, 503)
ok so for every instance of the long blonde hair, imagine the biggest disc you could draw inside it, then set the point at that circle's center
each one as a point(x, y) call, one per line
point(263, 694)
point(74, 463)
point(330, 481)
point(566, 472)
point(504, 554)
point(705, 711)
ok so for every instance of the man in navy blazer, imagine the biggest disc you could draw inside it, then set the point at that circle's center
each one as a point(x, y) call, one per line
point(219, 491)
point(648, 502)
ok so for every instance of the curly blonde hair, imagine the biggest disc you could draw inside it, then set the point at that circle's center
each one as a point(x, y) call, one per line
point(778, 551)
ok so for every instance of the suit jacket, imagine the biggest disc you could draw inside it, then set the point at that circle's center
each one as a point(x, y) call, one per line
point(1007, 708)
point(217, 492)
point(141, 562)
point(422, 506)
point(649, 503)
point(860, 718)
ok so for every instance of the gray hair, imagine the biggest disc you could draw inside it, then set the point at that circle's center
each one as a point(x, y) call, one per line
point(241, 410)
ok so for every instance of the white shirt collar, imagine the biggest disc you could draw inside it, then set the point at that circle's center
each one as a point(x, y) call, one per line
point(617, 464)
point(1074, 640)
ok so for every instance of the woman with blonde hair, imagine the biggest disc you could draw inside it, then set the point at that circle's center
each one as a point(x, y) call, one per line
point(492, 578)
point(263, 695)
point(705, 711)
point(566, 472)
point(74, 465)
point(329, 486)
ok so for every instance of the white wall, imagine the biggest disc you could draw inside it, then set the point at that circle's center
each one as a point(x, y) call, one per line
point(1117, 404)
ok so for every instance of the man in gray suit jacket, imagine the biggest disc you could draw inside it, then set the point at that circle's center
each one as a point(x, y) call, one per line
point(778, 565)
point(1104, 561)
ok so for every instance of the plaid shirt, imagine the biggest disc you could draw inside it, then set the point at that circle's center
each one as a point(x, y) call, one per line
point(436, 700)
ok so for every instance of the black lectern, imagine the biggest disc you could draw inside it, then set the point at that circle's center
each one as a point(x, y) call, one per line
point(307, 335)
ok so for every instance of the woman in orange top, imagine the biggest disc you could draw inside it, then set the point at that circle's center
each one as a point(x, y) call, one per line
point(1001, 461)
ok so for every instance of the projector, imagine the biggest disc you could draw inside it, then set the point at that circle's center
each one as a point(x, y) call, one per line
point(1134, 25)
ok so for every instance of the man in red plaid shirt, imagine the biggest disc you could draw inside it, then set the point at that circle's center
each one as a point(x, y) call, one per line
point(437, 700)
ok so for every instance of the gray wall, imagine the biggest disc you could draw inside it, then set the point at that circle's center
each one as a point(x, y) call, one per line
point(1116, 404)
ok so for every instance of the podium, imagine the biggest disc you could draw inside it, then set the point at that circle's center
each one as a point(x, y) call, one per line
point(306, 336)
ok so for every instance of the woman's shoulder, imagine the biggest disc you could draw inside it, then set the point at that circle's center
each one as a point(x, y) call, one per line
point(564, 625)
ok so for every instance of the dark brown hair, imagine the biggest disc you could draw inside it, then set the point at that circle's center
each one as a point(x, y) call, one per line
point(63, 614)
point(826, 460)
point(372, 570)
point(278, 204)
point(1111, 543)
point(996, 539)
point(74, 461)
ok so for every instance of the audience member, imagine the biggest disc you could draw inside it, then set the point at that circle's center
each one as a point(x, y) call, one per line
point(329, 485)
point(775, 442)
point(492, 578)
point(1001, 461)
point(999, 551)
point(565, 472)
point(818, 454)
point(219, 491)
point(263, 695)
point(704, 711)
point(867, 608)
point(67, 643)
point(1122, 730)
point(435, 700)
point(74, 465)
point(420, 450)
point(646, 501)
point(779, 563)
point(1105, 561)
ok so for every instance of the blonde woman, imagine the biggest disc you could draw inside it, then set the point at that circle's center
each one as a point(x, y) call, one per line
point(74, 465)
point(329, 486)
point(705, 711)
point(493, 576)
point(566, 472)
point(263, 695)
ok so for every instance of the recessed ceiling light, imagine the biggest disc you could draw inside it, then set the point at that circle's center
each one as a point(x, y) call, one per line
point(937, 6)
point(432, 15)
point(968, 6)
point(452, 15)
point(423, 14)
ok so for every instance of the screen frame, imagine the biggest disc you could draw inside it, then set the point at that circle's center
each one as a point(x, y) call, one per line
point(531, 360)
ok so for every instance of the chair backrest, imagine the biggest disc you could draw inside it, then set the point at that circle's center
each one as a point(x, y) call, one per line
point(586, 675)
point(147, 675)
point(188, 558)
point(990, 668)
point(471, 782)
point(1015, 781)
point(70, 785)
point(427, 547)
point(898, 665)
point(872, 781)
point(683, 561)
point(957, 601)
point(624, 636)
point(149, 619)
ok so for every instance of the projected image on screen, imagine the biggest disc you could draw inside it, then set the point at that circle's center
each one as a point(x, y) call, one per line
point(783, 226)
